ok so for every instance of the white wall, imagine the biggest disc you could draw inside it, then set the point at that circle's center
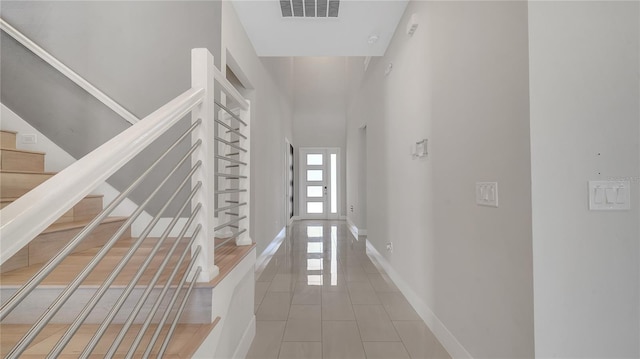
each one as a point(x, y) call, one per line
point(462, 82)
point(271, 113)
point(356, 148)
point(585, 118)
point(319, 117)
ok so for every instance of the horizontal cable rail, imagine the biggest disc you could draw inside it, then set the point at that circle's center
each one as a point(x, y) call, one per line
point(230, 160)
point(230, 223)
point(226, 191)
point(235, 131)
point(227, 110)
point(70, 74)
point(231, 144)
point(227, 175)
point(220, 209)
point(228, 239)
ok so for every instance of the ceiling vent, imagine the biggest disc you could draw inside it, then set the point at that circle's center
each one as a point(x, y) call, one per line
point(309, 8)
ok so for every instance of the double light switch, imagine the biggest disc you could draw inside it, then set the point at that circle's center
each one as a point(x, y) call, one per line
point(609, 195)
point(487, 194)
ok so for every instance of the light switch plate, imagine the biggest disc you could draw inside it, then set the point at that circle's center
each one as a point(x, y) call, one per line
point(487, 194)
point(609, 195)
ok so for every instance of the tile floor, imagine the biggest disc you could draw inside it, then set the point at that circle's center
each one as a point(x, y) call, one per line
point(320, 296)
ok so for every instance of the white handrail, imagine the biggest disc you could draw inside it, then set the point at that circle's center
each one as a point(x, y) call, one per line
point(229, 89)
point(72, 75)
point(54, 197)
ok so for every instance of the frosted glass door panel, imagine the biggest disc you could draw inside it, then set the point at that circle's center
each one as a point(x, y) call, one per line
point(314, 159)
point(315, 207)
point(314, 175)
point(314, 191)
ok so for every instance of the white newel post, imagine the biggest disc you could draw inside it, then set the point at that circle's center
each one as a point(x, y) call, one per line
point(245, 238)
point(202, 72)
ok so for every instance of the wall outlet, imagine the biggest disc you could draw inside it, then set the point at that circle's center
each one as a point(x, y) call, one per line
point(390, 247)
point(351, 208)
point(28, 139)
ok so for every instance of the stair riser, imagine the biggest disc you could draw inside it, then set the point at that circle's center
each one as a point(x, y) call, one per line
point(17, 184)
point(198, 309)
point(7, 139)
point(21, 161)
point(45, 245)
point(87, 209)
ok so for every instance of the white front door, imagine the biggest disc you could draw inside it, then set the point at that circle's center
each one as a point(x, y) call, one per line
point(319, 192)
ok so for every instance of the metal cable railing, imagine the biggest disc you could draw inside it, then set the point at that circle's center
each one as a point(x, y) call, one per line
point(70, 289)
point(135, 269)
point(233, 192)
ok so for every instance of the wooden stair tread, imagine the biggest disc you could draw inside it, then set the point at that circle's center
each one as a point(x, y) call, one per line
point(187, 338)
point(22, 151)
point(9, 131)
point(226, 258)
point(58, 227)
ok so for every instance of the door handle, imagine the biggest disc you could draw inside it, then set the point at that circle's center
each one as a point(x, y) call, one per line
point(325, 190)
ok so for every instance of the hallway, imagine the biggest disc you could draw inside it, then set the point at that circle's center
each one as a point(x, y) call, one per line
point(321, 296)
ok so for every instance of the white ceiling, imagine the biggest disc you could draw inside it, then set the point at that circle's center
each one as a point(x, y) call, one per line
point(347, 35)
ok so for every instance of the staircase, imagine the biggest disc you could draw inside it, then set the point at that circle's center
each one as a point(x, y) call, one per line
point(74, 283)
point(21, 171)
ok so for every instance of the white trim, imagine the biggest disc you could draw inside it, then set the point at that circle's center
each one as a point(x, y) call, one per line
point(446, 338)
point(70, 74)
point(228, 88)
point(352, 227)
point(245, 342)
point(266, 255)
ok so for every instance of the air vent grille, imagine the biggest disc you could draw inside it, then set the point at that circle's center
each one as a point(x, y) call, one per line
point(310, 8)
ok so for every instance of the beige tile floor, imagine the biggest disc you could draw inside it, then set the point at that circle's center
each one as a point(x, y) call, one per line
point(320, 296)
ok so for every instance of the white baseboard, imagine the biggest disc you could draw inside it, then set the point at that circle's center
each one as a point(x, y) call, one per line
point(264, 257)
point(247, 338)
point(354, 229)
point(446, 338)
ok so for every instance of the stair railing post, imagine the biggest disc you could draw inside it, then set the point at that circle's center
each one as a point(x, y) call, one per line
point(245, 238)
point(202, 76)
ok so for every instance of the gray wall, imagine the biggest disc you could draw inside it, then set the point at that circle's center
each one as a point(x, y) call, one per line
point(585, 120)
point(138, 53)
point(461, 81)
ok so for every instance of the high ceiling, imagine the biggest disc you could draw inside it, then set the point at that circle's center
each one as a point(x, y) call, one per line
point(362, 28)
